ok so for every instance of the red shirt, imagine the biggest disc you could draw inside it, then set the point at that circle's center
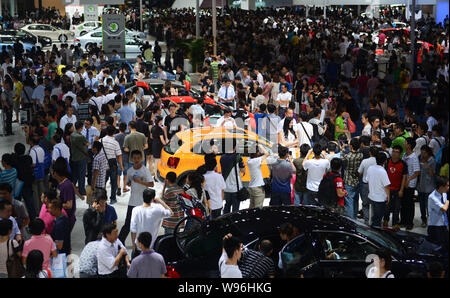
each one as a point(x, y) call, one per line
point(339, 184)
point(395, 173)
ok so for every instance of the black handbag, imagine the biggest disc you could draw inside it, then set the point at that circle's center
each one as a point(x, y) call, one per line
point(242, 193)
point(267, 187)
point(112, 163)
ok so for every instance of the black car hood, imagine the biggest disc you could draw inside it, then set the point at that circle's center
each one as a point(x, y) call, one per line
point(417, 244)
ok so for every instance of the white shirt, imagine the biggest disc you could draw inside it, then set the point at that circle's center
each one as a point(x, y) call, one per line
point(254, 166)
point(367, 130)
point(39, 93)
point(413, 165)
point(71, 94)
point(378, 179)
point(431, 121)
point(434, 144)
point(38, 152)
point(228, 271)
point(214, 184)
point(229, 122)
point(316, 169)
point(65, 119)
point(106, 255)
point(364, 166)
point(63, 148)
point(148, 219)
point(420, 141)
point(302, 135)
point(284, 96)
point(91, 82)
point(93, 132)
point(230, 93)
point(197, 110)
point(137, 189)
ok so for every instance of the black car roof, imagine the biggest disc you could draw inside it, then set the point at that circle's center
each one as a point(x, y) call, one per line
point(305, 218)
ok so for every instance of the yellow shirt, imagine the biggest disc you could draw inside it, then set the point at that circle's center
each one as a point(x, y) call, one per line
point(444, 170)
point(18, 86)
point(60, 68)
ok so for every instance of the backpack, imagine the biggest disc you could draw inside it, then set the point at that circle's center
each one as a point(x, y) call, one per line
point(327, 195)
point(47, 158)
point(439, 156)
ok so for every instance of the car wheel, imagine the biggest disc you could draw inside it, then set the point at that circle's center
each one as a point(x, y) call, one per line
point(62, 38)
point(88, 46)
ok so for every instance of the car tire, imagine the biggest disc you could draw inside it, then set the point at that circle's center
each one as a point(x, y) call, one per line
point(63, 38)
point(88, 46)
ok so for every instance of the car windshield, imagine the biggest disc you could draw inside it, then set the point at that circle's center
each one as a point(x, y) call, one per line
point(379, 237)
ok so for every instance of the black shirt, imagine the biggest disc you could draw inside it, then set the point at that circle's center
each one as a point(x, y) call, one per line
point(24, 170)
point(171, 129)
point(93, 224)
point(61, 232)
point(142, 127)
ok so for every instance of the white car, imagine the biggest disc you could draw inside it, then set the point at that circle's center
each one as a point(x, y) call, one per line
point(54, 33)
point(133, 46)
point(85, 27)
point(95, 36)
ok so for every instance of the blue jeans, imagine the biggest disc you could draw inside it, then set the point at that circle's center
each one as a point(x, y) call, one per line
point(280, 199)
point(231, 202)
point(79, 175)
point(299, 198)
point(378, 211)
point(309, 198)
point(423, 200)
point(352, 201)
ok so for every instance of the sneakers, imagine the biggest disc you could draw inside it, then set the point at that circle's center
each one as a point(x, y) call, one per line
point(385, 223)
point(424, 224)
point(112, 202)
point(396, 227)
point(118, 192)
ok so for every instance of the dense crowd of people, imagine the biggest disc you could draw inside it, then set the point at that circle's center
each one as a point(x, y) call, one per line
point(342, 128)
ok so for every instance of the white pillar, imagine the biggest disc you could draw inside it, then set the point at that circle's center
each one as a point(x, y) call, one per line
point(248, 4)
point(12, 7)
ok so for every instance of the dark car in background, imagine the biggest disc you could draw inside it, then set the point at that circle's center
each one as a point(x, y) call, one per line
point(27, 37)
point(195, 252)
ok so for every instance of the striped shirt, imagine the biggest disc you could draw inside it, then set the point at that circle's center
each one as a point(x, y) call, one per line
point(101, 164)
point(83, 111)
point(413, 165)
point(9, 176)
point(112, 147)
point(170, 198)
point(254, 264)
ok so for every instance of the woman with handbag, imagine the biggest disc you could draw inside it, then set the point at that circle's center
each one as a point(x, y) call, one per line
point(196, 183)
point(7, 248)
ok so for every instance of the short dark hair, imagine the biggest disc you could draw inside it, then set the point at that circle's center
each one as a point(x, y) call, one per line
point(171, 177)
point(435, 269)
point(107, 229)
point(271, 108)
point(132, 124)
point(304, 149)
point(145, 238)
point(231, 244)
point(411, 142)
point(19, 149)
point(36, 226)
point(286, 229)
point(5, 225)
point(317, 149)
point(365, 140)
point(423, 126)
point(332, 146)
point(387, 141)
point(100, 195)
point(136, 152)
point(97, 145)
point(398, 147)
point(79, 124)
point(441, 181)
point(56, 203)
point(148, 195)
point(355, 144)
point(336, 164)
point(381, 158)
point(373, 150)
point(122, 126)
point(211, 164)
point(139, 113)
point(50, 194)
point(265, 246)
point(282, 151)
point(110, 130)
point(6, 186)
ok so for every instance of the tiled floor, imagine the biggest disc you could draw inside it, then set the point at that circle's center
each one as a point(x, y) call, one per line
point(7, 146)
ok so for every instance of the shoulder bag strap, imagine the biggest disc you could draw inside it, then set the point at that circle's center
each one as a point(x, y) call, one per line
point(37, 158)
point(305, 132)
point(236, 171)
point(103, 147)
point(437, 140)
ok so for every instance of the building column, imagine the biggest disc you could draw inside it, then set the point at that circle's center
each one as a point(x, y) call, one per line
point(12, 7)
point(1, 8)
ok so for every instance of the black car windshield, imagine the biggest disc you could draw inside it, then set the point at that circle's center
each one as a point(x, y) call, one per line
point(379, 237)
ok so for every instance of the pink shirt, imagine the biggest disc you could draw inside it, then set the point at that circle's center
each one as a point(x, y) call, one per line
point(48, 218)
point(44, 243)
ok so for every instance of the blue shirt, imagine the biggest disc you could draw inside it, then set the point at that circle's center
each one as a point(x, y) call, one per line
point(437, 217)
point(258, 116)
point(282, 171)
point(126, 114)
point(110, 215)
point(9, 176)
